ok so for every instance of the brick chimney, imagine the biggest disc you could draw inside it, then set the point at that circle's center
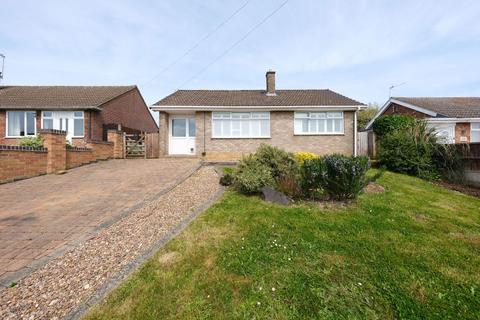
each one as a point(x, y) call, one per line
point(270, 83)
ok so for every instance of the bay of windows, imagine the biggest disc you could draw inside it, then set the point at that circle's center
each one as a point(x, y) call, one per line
point(241, 124)
point(318, 122)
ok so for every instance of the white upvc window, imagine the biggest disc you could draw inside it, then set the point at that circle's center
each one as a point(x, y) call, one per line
point(475, 132)
point(64, 120)
point(78, 124)
point(318, 123)
point(21, 124)
point(241, 125)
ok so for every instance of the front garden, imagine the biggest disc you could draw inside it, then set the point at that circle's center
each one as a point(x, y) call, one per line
point(411, 252)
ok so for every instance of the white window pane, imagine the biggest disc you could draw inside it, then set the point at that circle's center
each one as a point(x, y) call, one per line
point(236, 131)
point(16, 125)
point(300, 115)
point(221, 115)
point(217, 128)
point(256, 132)
point(47, 114)
point(30, 123)
point(334, 115)
point(191, 127)
point(236, 115)
point(298, 125)
point(313, 126)
point(226, 127)
point(475, 136)
point(77, 127)
point(179, 128)
point(304, 126)
point(475, 126)
point(338, 125)
point(265, 128)
point(245, 128)
point(47, 124)
point(78, 114)
point(321, 126)
point(329, 125)
point(260, 115)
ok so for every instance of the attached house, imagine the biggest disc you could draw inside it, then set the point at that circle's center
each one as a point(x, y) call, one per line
point(226, 124)
point(84, 112)
point(456, 119)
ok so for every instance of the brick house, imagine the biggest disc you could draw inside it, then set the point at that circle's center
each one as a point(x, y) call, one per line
point(457, 119)
point(84, 112)
point(226, 124)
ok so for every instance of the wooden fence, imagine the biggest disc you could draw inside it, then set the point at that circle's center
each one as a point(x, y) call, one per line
point(152, 141)
point(366, 145)
point(471, 155)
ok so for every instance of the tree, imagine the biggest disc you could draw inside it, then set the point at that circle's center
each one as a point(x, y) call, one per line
point(366, 115)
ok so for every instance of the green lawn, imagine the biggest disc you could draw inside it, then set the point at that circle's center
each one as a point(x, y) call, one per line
point(412, 252)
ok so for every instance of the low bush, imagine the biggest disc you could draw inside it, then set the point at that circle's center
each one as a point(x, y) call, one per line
point(280, 162)
point(345, 177)
point(336, 176)
point(290, 186)
point(251, 175)
point(313, 177)
point(390, 123)
point(227, 177)
point(302, 156)
point(35, 142)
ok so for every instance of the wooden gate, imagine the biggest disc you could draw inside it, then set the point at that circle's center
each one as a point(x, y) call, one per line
point(152, 145)
point(135, 146)
point(362, 143)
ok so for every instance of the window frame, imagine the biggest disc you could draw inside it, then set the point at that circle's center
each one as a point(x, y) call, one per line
point(74, 117)
point(24, 123)
point(83, 123)
point(476, 130)
point(326, 118)
point(241, 117)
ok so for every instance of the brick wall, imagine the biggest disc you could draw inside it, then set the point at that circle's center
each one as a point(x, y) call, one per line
point(281, 132)
point(102, 150)
point(398, 109)
point(79, 156)
point(21, 162)
point(462, 132)
point(130, 111)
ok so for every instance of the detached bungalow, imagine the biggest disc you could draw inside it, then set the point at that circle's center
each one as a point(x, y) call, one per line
point(456, 119)
point(226, 124)
point(85, 113)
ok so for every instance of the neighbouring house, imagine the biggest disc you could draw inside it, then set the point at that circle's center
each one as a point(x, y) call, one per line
point(456, 119)
point(84, 112)
point(226, 124)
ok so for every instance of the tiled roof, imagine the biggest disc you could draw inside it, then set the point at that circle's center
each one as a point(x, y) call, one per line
point(451, 107)
point(248, 98)
point(58, 97)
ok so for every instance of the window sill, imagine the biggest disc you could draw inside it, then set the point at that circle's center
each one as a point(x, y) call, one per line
point(320, 134)
point(20, 137)
point(242, 137)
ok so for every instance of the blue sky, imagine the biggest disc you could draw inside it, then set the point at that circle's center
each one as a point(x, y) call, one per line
point(358, 48)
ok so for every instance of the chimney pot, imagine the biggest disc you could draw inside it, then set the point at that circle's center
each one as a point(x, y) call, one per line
point(270, 83)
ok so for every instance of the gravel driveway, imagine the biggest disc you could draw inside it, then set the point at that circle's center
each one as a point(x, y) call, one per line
point(65, 285)
point(42, 217)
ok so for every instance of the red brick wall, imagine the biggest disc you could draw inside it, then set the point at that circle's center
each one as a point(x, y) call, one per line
point(76, 157)
point(102, 150)
point(20, 164)
point(462, 129)
point(130, 111)
point(398, 109)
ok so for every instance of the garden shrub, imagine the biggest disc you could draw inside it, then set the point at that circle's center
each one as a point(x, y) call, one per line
point(390, 123)
point(290, 186)
point(345, 177)
point(313, 177)
point(35, 142)
point(227, 177)
point(416, 151)
point(280, 162)
point(251, 175)
point(302, 156)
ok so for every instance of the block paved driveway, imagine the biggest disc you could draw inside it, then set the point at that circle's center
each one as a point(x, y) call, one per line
point(42, 217)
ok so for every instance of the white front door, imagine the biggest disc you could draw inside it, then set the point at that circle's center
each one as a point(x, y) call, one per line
point(182, 135)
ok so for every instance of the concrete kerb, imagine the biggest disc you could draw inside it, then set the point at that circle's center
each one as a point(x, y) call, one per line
point(133, 266)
